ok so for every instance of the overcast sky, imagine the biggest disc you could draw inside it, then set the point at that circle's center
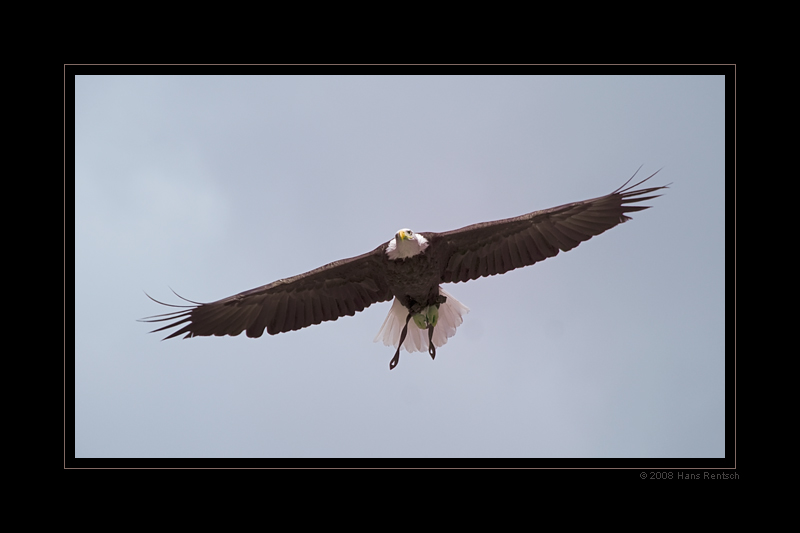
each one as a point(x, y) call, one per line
point(216, 185)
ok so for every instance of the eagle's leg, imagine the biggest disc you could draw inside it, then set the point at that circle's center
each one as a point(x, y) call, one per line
point(432, 317)
point(431, 347)
point(396, 358)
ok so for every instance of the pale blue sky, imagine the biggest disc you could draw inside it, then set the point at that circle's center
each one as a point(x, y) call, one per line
point(215, 185)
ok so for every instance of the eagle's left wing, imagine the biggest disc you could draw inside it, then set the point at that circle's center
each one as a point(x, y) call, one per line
point(496, 247)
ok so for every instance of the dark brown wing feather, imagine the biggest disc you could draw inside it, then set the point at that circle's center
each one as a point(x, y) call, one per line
point(496, 247)
point(336, 289)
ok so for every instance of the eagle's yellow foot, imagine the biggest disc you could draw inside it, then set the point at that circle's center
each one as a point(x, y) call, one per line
point(429, 317)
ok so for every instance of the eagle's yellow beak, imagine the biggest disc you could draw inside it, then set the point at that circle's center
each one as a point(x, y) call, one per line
point(402, 235)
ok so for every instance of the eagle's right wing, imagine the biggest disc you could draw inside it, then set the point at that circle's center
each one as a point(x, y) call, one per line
point(326, 293)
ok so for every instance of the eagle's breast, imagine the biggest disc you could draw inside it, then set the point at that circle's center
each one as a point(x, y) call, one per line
point(414, 280)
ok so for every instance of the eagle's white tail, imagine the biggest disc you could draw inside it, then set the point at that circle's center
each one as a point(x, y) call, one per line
point(450, 313)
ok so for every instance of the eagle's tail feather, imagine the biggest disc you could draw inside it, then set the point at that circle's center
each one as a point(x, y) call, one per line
point(450, 317)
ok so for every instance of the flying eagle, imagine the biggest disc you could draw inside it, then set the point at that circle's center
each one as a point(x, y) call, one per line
point(410, 268)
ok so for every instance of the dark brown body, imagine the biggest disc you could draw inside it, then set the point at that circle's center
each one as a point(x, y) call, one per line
point(414, 280)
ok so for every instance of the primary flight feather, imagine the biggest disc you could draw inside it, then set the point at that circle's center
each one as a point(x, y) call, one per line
point(410, 269)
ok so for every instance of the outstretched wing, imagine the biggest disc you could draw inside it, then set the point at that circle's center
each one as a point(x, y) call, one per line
point(496, 247)
point(336, 289)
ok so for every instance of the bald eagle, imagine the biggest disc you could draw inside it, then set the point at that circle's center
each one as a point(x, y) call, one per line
point(409, 268)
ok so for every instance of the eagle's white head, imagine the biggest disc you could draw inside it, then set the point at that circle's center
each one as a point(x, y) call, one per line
point(405, 244)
